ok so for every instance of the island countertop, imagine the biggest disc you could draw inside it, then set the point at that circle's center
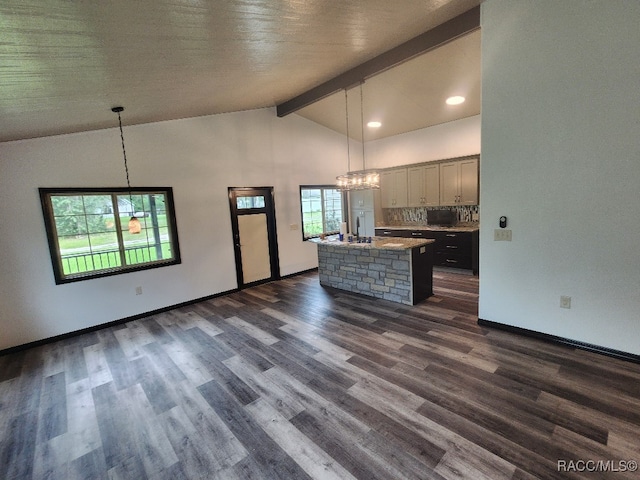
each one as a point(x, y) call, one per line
point(378, 243)
point(431, 228)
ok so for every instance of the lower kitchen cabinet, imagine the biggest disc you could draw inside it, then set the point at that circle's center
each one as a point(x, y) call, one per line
point(454, 249)
point(457, 250)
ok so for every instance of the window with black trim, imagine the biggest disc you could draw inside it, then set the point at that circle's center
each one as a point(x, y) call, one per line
point(322, 210)
point(88, 230)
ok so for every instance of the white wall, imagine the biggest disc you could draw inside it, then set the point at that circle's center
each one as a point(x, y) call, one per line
point(561, 159)
point(199, 158)
point(449, 140)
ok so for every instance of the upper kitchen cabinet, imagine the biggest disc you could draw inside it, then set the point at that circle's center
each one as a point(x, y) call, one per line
point(424, 186)
point(459, 182)
point(393, 188)
point(361, 199)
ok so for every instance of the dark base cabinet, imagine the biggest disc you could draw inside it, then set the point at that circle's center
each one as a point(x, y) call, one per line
point(454, 249)
point(422, 272)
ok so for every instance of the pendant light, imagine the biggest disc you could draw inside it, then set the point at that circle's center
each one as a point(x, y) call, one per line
point(134, 223)
point(362, 179)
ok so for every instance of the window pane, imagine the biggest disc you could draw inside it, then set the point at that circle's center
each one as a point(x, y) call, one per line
point(332, 210)
point(67, 205)
point(145, 246)
point(162, 219)
point(99, 224)
point(126, 205)
point(71, 225)
point(89, 252)
point(71, 251)
point(250, 202)
point(159, 202)
point(97, 204)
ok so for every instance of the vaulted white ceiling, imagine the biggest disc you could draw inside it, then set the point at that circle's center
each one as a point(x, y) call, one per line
point(409, 96)
point(64, 64)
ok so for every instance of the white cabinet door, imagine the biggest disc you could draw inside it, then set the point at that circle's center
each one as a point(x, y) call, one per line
point(459, 182)
point(423, 186)
point(401, 188)
point(361, 199)
point(387, 189)
point(366, 220)
point(431, 178)
point(468, 182)
point(449, 183)
point(393, 188)
point(361, 205)
point(415, 184)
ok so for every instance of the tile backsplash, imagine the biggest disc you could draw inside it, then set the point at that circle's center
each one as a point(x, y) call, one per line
point(418, 215)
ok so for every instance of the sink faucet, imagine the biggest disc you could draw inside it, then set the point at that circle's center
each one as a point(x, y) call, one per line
point(357, 228)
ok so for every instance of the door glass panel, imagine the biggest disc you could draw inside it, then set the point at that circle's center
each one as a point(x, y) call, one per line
point(250, 202)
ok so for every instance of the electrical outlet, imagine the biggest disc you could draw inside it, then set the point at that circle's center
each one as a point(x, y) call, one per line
point(565, 302)
point(501, 235)
point(138, 290)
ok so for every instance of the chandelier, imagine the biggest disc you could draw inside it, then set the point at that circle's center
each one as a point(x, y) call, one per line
point(361, 179)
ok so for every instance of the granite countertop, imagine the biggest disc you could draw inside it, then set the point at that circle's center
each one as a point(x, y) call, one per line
point(379, 243)
point(433, 228)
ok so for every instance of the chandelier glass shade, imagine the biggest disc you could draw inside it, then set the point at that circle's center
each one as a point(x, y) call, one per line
point(134, 225)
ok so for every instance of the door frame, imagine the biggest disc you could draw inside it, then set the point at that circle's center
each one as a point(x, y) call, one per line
point(270, 211)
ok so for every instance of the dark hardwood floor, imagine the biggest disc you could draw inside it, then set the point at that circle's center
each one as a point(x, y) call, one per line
point(291, 380)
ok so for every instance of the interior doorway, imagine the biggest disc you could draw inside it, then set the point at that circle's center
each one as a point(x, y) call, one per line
point(255, 241)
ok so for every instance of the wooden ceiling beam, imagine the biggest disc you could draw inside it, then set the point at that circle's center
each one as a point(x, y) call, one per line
point(437, 36)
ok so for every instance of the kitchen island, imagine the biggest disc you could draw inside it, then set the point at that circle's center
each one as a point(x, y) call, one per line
point(395, 269)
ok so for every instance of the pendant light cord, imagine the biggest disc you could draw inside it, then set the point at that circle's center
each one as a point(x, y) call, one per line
point(346, 109)
point(124, 154)
point(362, 125)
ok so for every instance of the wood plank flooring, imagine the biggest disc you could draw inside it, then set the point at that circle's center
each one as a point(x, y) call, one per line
point(289, 380)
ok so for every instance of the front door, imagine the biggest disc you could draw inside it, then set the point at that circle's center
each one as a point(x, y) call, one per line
point(253, 222)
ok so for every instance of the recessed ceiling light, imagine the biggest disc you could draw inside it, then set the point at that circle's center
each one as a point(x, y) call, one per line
point(374, 124)
point(457, 100)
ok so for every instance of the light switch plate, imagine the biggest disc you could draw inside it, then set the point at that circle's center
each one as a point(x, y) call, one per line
point(501, 235)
